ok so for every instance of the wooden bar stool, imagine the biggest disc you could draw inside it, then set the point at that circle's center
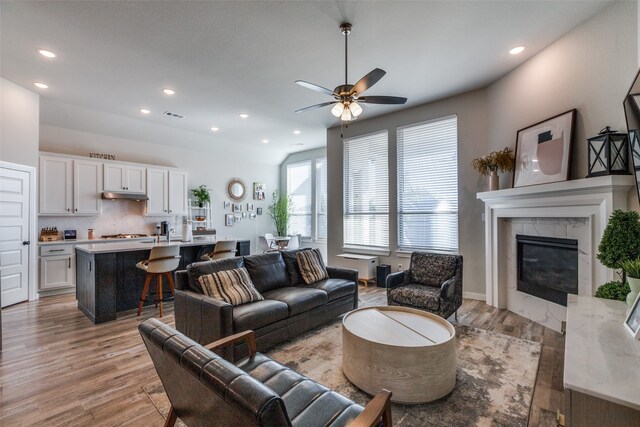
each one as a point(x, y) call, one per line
point(162, 261)
point(222, 249)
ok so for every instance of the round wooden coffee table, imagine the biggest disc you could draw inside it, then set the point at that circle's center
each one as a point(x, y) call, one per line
point(410, 352)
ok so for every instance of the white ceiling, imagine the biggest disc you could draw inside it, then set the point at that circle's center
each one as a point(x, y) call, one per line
point(223, 58)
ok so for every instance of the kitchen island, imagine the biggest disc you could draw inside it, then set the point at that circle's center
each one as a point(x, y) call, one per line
point(108, 281)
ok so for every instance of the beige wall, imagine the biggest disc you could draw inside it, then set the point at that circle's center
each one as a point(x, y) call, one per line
point(19, 124)
point(471, 110)
point(590, 69)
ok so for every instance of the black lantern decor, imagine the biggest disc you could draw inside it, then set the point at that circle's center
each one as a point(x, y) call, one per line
point(608, 153)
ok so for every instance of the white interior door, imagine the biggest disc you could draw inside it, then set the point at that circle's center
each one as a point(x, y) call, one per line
point(14, 235)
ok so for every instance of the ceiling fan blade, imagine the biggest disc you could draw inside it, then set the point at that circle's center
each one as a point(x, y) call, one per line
point(313, 107)
point(367, 81)
point(315, 87)
point(382, 100)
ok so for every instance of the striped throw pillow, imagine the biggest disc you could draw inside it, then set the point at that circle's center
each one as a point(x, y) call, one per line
point(312, 267)
point(232, 286)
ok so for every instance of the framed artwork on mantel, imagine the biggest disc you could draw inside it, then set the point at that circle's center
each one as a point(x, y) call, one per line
point(543, 151)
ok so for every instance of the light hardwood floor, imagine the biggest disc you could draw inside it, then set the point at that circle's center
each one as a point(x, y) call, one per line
point(58, 369)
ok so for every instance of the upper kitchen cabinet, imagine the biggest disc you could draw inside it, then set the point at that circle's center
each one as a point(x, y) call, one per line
point(167, 192)
point(69, 186)
point(124, 178)
point(56, 186)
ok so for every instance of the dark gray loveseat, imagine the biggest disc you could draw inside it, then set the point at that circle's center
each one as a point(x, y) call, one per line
point(290, 307)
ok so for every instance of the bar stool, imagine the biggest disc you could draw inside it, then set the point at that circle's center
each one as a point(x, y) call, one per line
point(222, 249)
point(162, 261)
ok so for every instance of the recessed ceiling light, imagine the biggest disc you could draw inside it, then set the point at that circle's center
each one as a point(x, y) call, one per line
point(215, 129)
point(516, 50)
point(169, 91)
point(46, 53)
point(243, 115)
point(41, 85)
point(296, 132)
point(265, 141)
point(145, 111)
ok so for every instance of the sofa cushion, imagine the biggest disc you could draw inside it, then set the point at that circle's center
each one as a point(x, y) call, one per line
point(431, 269)
point(267, 271)
point(335, 288)
point(298, 300)
point(415, 295)
point(232, 286)
point(197, 269)
point(293, 270)
point(255, 315)
point(312, 267)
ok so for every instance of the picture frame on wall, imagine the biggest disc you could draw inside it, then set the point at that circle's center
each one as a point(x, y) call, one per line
point(236, 207)
point(543, 151)
point(259, 211)
point(228, 220)
point(237, 218)
point(250, 207)
point(227, 205)
point(252, 216)
point(244, 214)
point(632, 322)
point(259, 191)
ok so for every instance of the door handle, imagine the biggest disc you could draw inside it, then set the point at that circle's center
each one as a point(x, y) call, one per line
point(56, 250)
point(69, 262)
point(26, 242)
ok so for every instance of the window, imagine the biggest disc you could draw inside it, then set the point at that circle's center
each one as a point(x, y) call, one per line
point(366, 191)
point(428, 185)
point(299, 189)
point(321, 199)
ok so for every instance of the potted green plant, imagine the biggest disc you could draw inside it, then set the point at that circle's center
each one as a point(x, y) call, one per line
point(632, 268)
point(614, 290)
point(490, 164)
point(201, 194)
point(280, 211)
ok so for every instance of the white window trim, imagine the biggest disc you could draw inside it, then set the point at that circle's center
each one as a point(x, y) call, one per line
point(311, 163)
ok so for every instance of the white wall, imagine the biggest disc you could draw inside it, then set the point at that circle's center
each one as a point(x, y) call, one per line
point(19, 124)
point(590, 68)
point(213, 167)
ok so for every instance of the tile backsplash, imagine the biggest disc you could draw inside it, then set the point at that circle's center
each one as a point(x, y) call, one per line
point(118, 216)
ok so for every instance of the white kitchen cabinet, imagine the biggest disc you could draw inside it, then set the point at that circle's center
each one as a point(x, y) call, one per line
point(157, 191)
point(55, 186)
point(57, 267)
point(124, 178)
point(87, 186)
point(167, 192)
point(69, 186)
point(178, 199)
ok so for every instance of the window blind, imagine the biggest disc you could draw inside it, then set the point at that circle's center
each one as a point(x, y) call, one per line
point(321, 198)
point(366, 191)
point(299, 189)
point(428, 185)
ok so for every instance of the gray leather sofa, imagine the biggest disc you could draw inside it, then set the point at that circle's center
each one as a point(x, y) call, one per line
point(206, 390)
point(290, 307)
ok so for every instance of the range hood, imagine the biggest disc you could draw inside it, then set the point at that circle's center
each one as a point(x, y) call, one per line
point(108, 195)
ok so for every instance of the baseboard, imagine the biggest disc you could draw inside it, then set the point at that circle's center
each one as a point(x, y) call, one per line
point(474, 295)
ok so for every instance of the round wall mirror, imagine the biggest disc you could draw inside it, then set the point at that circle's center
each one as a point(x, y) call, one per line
point(236, 189)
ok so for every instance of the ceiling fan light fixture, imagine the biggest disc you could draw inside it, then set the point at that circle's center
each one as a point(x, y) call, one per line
point(355, 108)
point(346, 115)
point(337, 109)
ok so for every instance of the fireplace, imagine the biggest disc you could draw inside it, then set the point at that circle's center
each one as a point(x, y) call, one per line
point(547, 267)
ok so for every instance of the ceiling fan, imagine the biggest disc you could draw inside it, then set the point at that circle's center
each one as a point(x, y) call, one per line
point(348, 97)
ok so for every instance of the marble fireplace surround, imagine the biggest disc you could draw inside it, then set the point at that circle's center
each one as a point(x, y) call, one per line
point(576, 209)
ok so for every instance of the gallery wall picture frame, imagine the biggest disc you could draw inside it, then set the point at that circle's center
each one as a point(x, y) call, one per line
point(259, 191)
point(544, 151)
point(237, 218)
point(227, 205)
point(244, 214)
point(259, 211)
point(228, 220)
point(250, 207)
point(252, 216)
point(236, 207)
point(632, 322)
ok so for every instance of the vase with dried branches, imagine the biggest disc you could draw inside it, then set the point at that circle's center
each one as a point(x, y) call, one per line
point(490, 164)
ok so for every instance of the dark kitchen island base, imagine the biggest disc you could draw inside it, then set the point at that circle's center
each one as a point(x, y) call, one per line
point(108, 281)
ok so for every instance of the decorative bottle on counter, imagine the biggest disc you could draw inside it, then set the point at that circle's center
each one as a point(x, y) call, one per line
point(91, 234)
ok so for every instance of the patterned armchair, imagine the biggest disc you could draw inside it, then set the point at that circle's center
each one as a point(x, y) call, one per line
point(432, 283)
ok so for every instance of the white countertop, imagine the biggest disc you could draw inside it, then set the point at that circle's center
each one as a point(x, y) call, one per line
point(80, 241)
point(141, 246)
point(601, 358)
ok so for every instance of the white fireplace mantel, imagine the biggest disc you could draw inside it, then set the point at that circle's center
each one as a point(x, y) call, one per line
point(593, 199)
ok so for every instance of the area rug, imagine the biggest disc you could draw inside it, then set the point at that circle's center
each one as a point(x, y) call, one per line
point(494, 386)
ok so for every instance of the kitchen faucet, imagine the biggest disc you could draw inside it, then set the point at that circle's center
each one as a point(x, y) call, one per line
point(169, 232)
